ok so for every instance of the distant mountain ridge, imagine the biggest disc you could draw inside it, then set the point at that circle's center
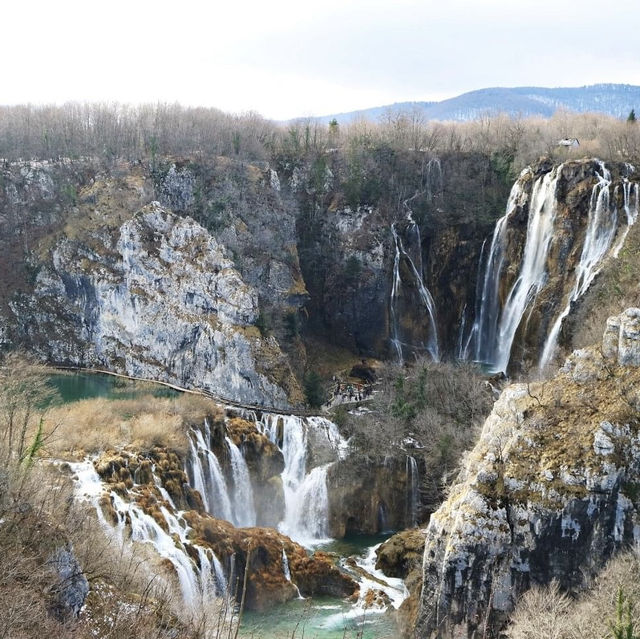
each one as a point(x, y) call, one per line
point(612, 99)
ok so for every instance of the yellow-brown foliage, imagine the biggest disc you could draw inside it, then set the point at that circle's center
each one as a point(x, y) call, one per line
point(92, 425)
point(546, 613)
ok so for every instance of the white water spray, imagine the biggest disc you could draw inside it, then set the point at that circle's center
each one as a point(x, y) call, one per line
point(243, 505)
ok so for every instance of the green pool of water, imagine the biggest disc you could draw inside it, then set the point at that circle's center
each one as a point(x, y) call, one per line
point(73, 387)
point(323, 617)
point(317, 618)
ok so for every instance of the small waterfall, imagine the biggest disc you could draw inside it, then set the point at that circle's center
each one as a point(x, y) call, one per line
point(243, 506)
point(212, 579)
point(417, 278)
point(196, 583)
point(601, 228)
point(285, 566)
point(630, 210)
point(433, 182)
point(205, 475)
point(307, 516)
point(412, 492)
point(383, 521)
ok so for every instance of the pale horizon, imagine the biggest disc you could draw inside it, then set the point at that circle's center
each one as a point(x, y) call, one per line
point(286, 60)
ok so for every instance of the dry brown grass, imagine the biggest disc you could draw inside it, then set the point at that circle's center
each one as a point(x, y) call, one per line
point(91, 425)
point(546, 613)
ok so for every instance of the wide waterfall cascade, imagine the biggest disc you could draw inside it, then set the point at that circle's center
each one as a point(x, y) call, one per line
point(602, 225)
point(197, 583)
point(243, 504)
point(416, 274)
point(496, 330)
point(412, 492)
point(305, 492)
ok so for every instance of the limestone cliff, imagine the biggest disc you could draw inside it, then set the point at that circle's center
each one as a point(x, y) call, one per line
point(156, 299)
point(550, 491)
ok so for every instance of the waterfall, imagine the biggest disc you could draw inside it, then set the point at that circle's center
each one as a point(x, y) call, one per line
point(285, 566)
point(305, 494)
point(395, 287)
point(212, 579)
point(307, 516)
point(601, 229)
point(195, 583)
point(383, 523)
point(205, 475)
point(496, 330)
point(143, 528)
point(243, 506)
point(412, 492)
point(417, 278)
point(630, 210)
point(433, 179)
point(498, 316)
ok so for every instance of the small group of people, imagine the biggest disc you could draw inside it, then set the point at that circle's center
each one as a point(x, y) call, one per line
point(344, 392)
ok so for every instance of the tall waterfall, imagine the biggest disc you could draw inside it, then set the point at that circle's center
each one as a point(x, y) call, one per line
point(533, 274)
point(417, 278)
point(601, 228)
point(499, 313)
point(485, 328)
point(412, 492)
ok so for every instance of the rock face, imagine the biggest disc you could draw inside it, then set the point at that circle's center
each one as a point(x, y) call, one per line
point(401, 556)
point(347, 250)
point(367, 497)
point(549, 492)
point(159, 299)
point(71, 590)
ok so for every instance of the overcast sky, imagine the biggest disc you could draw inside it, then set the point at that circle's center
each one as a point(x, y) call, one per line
point(287, 58)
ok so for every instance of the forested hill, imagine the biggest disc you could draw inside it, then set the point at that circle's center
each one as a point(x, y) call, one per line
point(612, 99)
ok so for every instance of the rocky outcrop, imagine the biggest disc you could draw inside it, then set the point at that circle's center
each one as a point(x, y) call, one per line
point(158, 299)
point(401, 556)
point(243, 205)
point(70, 591)
point(142, 494)
point(550, 491)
